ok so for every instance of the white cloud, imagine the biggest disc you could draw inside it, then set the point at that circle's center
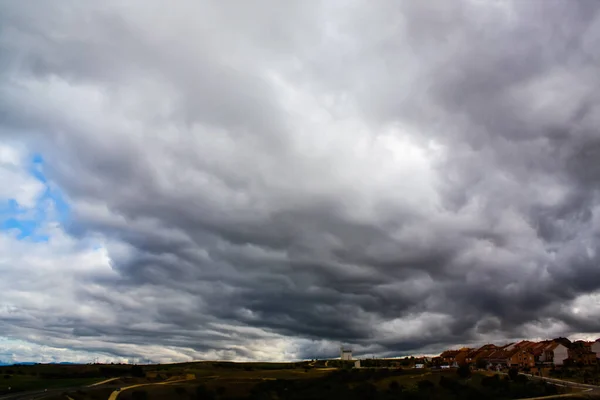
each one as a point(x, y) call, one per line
point(17, 183)
point(316, 174)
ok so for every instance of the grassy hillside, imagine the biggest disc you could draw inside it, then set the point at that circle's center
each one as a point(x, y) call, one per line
point(260, 381)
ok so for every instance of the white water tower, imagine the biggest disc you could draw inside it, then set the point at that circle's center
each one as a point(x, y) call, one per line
point(345, 354)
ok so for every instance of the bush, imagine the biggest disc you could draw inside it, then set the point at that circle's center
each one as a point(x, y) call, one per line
point(464, 371)
point(366, 391)
point(513, 373)
point(522, 379)
point(448, 383)
point(137, 371)
point(491, 381)
point(139, 395)
point(203, 393)
point(425, 385)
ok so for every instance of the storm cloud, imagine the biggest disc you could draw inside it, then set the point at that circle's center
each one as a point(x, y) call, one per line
point(269, 180)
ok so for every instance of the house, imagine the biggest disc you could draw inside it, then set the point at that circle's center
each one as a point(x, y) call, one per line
point(521, 358)
point(481, 353)
point(582, 355)
point(510, 358)
point(449, 357)
point(537, 349)
point(524, 354)
point(461, 357)
point(595, 347)
point(581, 343)
point(555, 353)
point(509, 346)
point(524, 344)
point(471, 356)
point(496, 359)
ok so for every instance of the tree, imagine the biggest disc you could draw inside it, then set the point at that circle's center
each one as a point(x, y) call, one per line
point(464, 371)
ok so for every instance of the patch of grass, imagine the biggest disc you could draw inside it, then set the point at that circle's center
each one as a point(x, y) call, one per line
point(27, 382)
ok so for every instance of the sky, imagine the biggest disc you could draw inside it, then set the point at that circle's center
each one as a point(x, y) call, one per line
point(271, 180)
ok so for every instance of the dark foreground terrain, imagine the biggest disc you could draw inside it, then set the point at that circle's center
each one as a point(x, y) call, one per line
point(223, 380)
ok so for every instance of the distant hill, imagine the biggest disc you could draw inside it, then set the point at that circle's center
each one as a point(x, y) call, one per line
point(4, 364)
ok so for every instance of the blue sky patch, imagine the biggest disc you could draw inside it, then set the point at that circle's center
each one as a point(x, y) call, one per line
point(50, 206)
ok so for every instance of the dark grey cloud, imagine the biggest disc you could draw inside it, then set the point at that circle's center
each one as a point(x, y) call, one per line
point(273, 181)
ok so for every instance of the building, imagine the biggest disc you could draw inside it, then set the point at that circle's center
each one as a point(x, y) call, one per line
point(448, 357)
point(595, 347)
point(515, 357)
point(521, 358)
point(524, 354)
point(474, 356)
point(555, 353)
point(345, 354)
point(538, 350)
point(462, 357)
point(582, 356)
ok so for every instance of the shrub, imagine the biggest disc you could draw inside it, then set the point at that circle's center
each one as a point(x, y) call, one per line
point(464, 371)
point(137, 371)
point(139, 395)
point(522, 379)
point(491, 381)
point(221, 391)
point(448, 383)
point(203, 393)
point(425, 385)
point(366, 391)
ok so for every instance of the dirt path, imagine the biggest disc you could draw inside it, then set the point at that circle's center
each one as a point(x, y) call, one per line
point(116, 393)
point(591, 390)
point(103, 382)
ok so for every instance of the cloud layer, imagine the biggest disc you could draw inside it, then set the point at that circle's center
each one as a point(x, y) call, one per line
point(269, 181)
